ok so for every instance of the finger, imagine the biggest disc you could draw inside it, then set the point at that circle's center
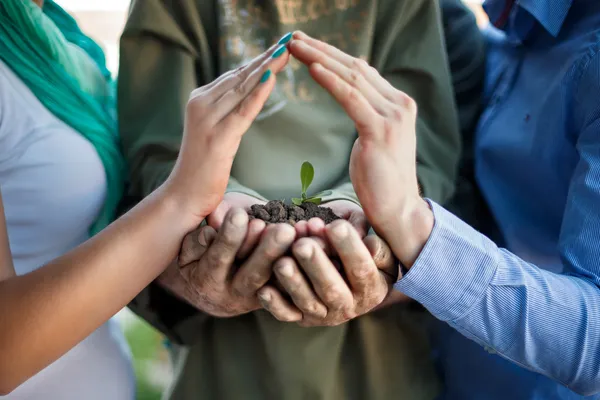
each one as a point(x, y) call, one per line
point(255, 229)
point(243, 114)
point(382, 257)
point(352, 101)
point(361, 272)
point(217, 264)
point(326, 280)
point(215, 219)
point(301, 229)
point(230, 79)
point(195, 245)
point(354, 73)
point(233, 99)
point(359, 221)
point(323, 245)
point(371, 74)
point(298, 288)
point(256, 271)
point(272, 301)
point(316, 227)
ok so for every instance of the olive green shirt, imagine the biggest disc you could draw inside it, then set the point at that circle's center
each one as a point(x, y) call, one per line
point(171, 47)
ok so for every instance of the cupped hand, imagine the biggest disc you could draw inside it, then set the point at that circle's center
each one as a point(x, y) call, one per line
point(255, 226)
point(208, 276)
point(344, 209)
point(320, 296)
point(217, 116)
point(383, 159)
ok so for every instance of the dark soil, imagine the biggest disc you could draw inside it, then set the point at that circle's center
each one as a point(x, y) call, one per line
point(277, 211)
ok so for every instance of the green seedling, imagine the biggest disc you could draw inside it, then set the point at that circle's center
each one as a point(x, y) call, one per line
point(307, 174)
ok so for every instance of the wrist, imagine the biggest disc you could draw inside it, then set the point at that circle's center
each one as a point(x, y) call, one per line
point(409, 231)
point(178, 205)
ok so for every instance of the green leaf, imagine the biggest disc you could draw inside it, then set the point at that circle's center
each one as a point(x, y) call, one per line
point(315, 200)
point(297, 201)
point(323, 193)
point(304, 197)
point(307, 173)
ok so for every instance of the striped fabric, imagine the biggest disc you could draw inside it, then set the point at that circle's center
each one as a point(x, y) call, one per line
point(537, 161)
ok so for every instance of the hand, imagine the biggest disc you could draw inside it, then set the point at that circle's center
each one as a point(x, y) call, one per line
point(217, 116)
point(383, 159)
point(319, 293)
point(255, 227)
point(213, 283)
point(344, 209)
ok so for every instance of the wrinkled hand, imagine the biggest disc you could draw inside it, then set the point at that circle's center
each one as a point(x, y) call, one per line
point(383, 159)
point(255, 227)
point(320, 295)
point(344, 209)
point(217, 116)
point(209, 277)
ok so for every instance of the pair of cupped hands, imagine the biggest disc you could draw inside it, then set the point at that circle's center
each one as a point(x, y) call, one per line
point(232, 265)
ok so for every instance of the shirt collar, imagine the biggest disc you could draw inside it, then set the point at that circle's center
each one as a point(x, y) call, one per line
point(550, 14)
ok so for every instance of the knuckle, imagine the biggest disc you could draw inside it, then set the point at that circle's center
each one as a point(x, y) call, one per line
point(388, 127)
point(354, 77)
point(397, 114)
point(359, 65)
point(348, 313)
point(242, 109)
point(364, 271)
point(353, 94)
point(333, 296)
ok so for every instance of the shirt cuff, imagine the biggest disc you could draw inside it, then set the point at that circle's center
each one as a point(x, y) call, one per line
point(454, 268)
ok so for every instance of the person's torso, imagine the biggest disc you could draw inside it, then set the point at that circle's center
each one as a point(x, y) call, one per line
point(299, 114)
point(53, 186)
point(525, 157)
point(382, 355)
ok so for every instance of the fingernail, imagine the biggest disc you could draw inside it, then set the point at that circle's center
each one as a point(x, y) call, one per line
point(339, 230)
point(238, 219)
point(286, 38)
point(304, 251)
point(286, 270)
point(265, 297)
point(265, 76)
point(203, 238)
point(284, 235)
point(280, 50)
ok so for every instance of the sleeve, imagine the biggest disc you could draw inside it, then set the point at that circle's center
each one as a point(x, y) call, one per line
point(165, 54)
point(409, 52)
point(546, 322)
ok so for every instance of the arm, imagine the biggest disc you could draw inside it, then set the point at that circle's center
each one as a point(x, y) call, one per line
point(409, 53)
point(543, 321)
point(70, 297)
point(164, 52)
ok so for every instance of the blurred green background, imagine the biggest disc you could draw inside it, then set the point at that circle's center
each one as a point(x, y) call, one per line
point(150, 356)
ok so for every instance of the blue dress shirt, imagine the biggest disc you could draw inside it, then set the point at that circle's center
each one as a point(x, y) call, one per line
point(532, 310)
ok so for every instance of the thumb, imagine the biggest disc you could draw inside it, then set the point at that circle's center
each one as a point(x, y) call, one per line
point(216, 218)
point(382, 256)
point(195, 244)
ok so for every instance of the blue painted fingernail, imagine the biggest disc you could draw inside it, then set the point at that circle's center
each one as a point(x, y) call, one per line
point(286, 38)
point(280, 50)
point(265, 76)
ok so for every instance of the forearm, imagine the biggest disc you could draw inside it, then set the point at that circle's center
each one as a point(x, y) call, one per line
point(542, 321)
point(55, 307)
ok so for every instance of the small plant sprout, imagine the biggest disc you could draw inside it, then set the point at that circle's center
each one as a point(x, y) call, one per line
point(307, 174)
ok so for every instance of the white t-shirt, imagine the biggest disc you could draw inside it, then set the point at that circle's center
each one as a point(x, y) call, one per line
point(53, 186)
